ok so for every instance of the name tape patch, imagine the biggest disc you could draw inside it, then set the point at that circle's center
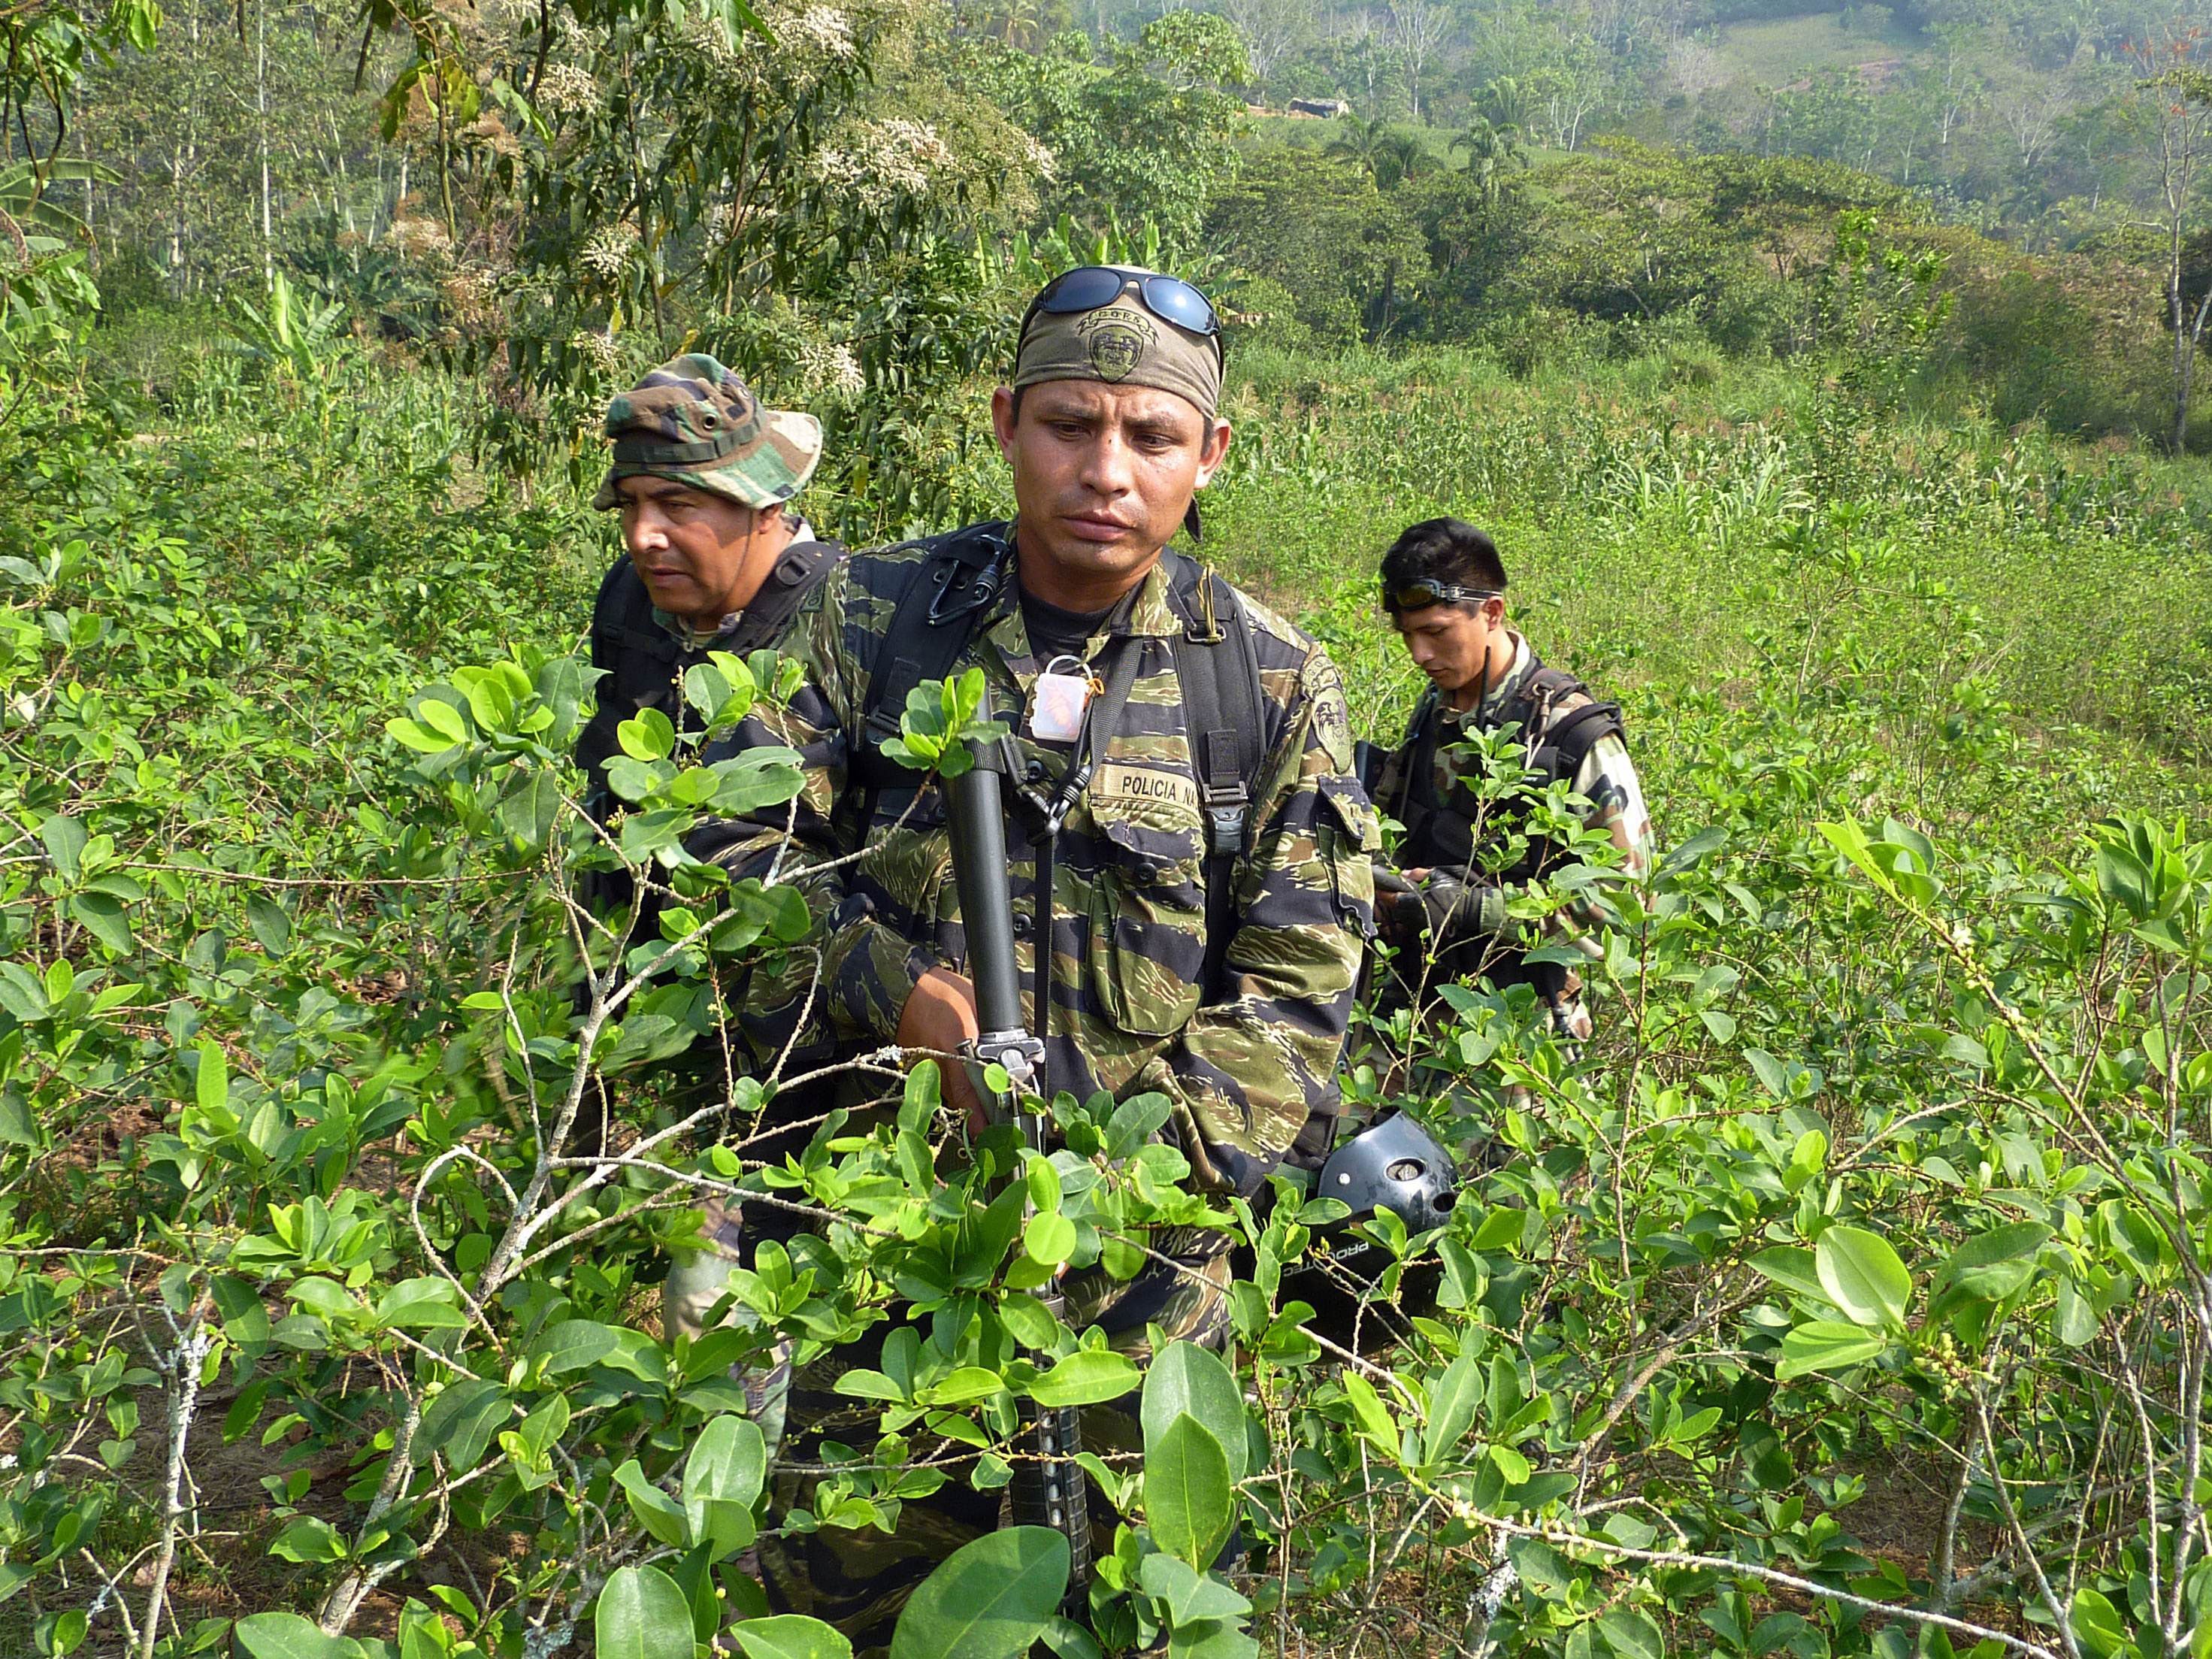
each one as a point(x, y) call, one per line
point(1118, 780)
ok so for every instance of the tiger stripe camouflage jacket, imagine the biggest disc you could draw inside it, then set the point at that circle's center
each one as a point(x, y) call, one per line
point(1244, 1070)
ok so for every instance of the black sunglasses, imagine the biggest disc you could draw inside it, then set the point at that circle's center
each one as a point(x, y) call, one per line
point(1420, 595)
point(1093, 288)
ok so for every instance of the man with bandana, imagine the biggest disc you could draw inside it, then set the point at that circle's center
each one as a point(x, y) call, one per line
point(1195, 944)
point(1467, 848)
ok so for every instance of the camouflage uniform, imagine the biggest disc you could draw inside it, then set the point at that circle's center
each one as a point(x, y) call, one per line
point(694, 422)
point(1244, 1068)
point(1453, 835)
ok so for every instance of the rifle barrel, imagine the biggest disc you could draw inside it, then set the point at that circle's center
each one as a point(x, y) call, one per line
point(976, 805)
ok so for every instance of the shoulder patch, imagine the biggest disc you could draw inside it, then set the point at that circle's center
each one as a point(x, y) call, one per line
point(1332, 718)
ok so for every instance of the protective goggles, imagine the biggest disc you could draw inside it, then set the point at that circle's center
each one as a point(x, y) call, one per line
point(1420, 595)
point(1093, 288)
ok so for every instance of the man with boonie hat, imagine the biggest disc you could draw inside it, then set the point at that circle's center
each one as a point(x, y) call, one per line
point(1187, 854)
point(714, 559)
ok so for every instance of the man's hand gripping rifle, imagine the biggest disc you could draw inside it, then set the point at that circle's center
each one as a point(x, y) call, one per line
point(1047, 1487)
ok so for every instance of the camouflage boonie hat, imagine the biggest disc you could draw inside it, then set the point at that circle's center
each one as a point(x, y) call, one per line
point(695, 422)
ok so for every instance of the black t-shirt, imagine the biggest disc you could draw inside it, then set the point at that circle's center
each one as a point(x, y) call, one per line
point(1054, 632)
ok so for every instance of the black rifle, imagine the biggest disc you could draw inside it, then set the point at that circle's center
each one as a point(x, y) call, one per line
point(1047, 1487)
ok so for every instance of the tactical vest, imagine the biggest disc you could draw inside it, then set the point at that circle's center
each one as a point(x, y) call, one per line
point(954, 590)
point(641, 662)
point(1440, 830)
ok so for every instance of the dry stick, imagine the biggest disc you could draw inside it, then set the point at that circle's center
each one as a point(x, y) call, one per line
point(2133, 1390)
point(252, 880)
point(1947, 1554)
point(1722, 1563)
point(112, 1594)
point(2021, 1540)
point(2192, 1458)
point(1630, 1391)
point(1372, 1373)
point(347, 1595)
point(1405, 1536)
point(192, 1345)
point(527, 1220)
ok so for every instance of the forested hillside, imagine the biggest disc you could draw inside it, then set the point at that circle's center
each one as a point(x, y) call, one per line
point(1829, 381)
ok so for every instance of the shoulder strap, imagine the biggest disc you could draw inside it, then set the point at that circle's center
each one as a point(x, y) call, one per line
point(1417, 782)
point(797, 574)
point(952, 586)
point(622, 620)
point(1565, 739)
point(1218, 674)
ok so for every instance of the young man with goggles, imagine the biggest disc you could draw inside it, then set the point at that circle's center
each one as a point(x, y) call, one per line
point(1444, 905)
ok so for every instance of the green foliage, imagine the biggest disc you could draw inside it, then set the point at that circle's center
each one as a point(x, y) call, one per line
point(1145, 135)
point(1884, 1174)
point(991, 1599)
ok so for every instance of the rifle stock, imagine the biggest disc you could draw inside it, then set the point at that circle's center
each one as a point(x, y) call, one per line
point(1048, 1486)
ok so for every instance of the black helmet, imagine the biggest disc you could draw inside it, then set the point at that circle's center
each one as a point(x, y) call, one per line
point(1393, 1165)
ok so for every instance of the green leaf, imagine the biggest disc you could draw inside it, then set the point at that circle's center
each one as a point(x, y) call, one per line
point(722, 1479)
point(649, 735)
point(1863, 1276)
point(66, 1632)
point(1773, 1075)
point(643, 1614)
point(2097, 1624)
point(1136, 1121)
point(1997, 1263)
point(1793, 1269)
point(527, 812)
point(2074, 1318)
point(1031, 1323)
point(211, 1084)
point(656, 1511)
point(65, 838)
point(1454, 1398)
point(443, 718)
point(1048, 1239)
point(1850, 841)
point(412, 735)
point(21, 994)
point(307, 1540)
point(1826, 1345)
point(790, 1636)
point(1186, 1378)
point(287, 1635)
point(574, 1344)
point(461, 1421)
point(990, 1598)
point(271, 924)
point(1089, 1376)
point(1373, 1417)
point(1189, 1594)
point(1187, 1495)
point(104, 917)
point(420, 1304)
point(1633, 1634)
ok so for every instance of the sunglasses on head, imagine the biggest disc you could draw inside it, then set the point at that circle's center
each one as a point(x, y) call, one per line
point(1420, 595)
point(1093, 288)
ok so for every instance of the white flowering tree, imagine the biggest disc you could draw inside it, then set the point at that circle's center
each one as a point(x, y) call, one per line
point(789, 187)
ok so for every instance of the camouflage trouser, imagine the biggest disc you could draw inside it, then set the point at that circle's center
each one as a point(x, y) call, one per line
point(859, 1579)
point(694, 1284)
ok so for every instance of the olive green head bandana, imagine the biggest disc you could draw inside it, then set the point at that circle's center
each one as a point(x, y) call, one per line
point(1122, 344)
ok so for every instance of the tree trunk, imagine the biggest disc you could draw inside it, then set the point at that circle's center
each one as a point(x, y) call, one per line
point(261, 111)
